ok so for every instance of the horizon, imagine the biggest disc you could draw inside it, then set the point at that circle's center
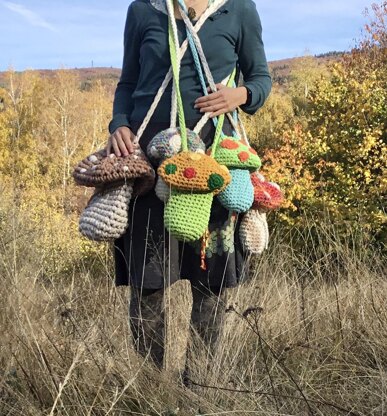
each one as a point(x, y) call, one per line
point(73, 36)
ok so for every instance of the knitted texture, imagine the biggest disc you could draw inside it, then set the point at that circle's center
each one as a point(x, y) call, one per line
point(105, 217)
point(186, 215)
point(98, 169)
point(235, 154)
point(267, 195)
point(196, 172)
point(167, 143)
point(239, 195)
point(254, 232)
point(162, 190)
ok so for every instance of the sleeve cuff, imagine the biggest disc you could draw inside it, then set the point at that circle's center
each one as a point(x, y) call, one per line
point(119, 120)
point(256, 98)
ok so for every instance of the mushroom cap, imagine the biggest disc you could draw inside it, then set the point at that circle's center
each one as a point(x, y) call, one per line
point(267, 195)
point(167, 143)
point(99, 168)
point(188, 171)
point(235, 154)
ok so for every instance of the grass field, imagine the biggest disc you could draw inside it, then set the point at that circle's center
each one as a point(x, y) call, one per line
point(306, 335)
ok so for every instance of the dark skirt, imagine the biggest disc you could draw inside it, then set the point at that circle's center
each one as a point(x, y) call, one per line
point(148, 256)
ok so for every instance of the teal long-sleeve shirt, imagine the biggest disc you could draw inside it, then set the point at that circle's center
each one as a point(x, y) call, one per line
point(230, 37)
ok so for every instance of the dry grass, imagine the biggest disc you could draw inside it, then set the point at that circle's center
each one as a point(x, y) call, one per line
point(305, 336)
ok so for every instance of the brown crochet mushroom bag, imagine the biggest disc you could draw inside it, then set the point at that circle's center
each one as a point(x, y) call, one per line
point(100, 169)
point(116, 180)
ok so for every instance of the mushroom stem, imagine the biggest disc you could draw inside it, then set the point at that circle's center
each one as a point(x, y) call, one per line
point(254, 232)
point(187, 215)
point(162, 190)
point(105, 217)
point(239, 194)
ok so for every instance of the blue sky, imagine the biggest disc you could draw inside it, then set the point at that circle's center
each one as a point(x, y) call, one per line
point(73, 33)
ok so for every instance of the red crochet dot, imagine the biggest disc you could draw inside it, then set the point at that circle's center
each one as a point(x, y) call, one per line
point(243, 156)
point(189, 173)
point(229, 144)
point(254, 152)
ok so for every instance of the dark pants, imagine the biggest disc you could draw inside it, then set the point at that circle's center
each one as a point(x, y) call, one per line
point(147, 319)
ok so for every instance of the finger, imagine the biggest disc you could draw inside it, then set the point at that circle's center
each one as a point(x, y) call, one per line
point(109, 146)
point(216, 101)
point(126, 137)
point(133, 137)
point(212, 108)
point(219, 112)
point(216, 105)
point(208, 97)
point(121, 145)
point(115, 147)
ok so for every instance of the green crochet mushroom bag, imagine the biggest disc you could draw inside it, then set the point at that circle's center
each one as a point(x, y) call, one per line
point(193, 178)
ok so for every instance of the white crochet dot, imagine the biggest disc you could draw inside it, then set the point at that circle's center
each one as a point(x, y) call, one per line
point(83, 170)
point(175, 142)
point(135, 157)
point(112, 155)
point(275, 185)
point(93, 158)
point(94, 167)
point(267, 195)
point(260, 177)
point(154, 152)
point(126, 168)
point(200, 151)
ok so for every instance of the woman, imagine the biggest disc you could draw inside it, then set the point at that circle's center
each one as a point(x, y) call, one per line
point(146, 258)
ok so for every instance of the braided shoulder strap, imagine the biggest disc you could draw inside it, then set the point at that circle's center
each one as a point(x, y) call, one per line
point(210, 10)
point(201, 60)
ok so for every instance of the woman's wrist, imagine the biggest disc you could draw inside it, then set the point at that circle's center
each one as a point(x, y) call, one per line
point(244, 95)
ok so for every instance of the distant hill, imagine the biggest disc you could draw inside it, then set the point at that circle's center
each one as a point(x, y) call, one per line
point(280, 70)
point(85, 74)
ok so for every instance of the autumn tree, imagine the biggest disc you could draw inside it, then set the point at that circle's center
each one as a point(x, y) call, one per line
point(343, 145)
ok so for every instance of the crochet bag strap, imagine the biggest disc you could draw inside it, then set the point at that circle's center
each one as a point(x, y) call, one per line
point(201, 60)
point(173, 41)
point(214, 6)
point(219, 127)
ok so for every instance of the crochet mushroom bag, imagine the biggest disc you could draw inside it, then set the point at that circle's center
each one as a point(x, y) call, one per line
point(116, 179)
point(240, 159)
point(194, 178)
point(166, 144)
point(254, 231)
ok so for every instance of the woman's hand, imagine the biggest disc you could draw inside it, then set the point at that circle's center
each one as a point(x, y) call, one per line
point(121, 141)
point(224, 100)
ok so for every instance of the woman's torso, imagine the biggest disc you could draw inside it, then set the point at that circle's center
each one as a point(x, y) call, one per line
point(219, 37)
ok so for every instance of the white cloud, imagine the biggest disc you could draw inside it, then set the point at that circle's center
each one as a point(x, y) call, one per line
point(32, 17)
